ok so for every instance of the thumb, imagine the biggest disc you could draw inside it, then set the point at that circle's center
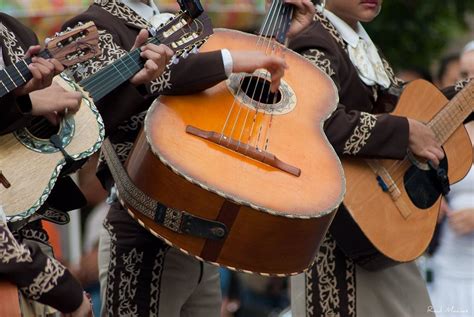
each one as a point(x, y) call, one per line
point(142, 37)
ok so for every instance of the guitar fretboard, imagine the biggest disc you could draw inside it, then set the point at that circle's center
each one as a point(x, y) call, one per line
point(277, 21)
point(453, 114)
point(17, 74)
point(116, 73)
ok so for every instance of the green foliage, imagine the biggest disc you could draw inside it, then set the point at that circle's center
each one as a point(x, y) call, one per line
point(415, 32)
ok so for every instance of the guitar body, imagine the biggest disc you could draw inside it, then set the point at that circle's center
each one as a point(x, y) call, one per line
point(32, 165)
point(276, 219)
point(10, 300)
point(401, 228)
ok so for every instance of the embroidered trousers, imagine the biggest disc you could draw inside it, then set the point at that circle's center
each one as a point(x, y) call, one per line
point(335, 286)
point(140, 275)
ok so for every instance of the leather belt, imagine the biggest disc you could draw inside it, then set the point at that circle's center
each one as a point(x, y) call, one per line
point(179, 221)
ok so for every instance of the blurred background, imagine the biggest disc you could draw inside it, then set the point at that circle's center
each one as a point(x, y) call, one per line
point(418, 37)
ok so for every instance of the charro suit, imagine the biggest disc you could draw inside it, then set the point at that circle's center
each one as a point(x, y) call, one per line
point(140, 274)
point(360, 126)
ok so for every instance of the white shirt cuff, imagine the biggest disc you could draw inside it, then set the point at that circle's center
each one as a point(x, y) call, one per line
point(227, 60)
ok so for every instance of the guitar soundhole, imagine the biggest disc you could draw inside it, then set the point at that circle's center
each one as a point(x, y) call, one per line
point(41, 128)
point(258, 89)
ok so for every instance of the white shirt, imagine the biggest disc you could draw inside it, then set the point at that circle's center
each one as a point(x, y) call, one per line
point(152, 14)
point(362, 52)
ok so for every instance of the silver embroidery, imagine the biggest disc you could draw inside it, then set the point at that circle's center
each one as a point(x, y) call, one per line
point(46, 280)
point(325, 23)
point(461, 84)
point(123, 12)
point(161, 83)
point(10, 249)
point(309, 293)
point(128, 283)
point(109, 300)
point(35, 234)
point(156, 282)
point(361, 133)
point(327, 282)
point(14, 50)
point(391, 74)
point(320, 60)
point(110, 53)
point(351, 291)
point(134, 123)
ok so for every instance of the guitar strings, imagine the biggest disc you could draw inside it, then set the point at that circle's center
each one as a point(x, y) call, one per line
point(438, 120)
point(275, 96)
point(265, 29)
point(269, 21)
point(241, 76)
point(445, 121)
point(259, 79)
point(271, 44)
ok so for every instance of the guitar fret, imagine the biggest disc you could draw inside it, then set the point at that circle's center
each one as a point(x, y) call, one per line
point(451, 117)
point(6, 75)
point(5, 87)
point(21, 75)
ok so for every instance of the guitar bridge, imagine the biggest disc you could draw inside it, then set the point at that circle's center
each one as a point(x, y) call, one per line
point(4, 181)
point(244, 149)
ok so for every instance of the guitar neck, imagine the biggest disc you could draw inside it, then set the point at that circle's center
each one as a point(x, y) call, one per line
point(113, 75)
point(277, 21)
point(453, 114)
point(17, 74)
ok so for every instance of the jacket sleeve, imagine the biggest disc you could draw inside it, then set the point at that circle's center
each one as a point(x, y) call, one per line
point(37, 276)
point(352, 132)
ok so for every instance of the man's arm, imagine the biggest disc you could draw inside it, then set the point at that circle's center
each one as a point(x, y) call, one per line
point(38, 276)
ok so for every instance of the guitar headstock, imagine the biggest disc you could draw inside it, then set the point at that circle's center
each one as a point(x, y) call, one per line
point(184, 33)
point(74, 45)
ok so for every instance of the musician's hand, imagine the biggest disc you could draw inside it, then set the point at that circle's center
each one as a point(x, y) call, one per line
point(157, 57)
point(302, 16)
point(85, 310)
point(462, 221)
point(42, 70)
point(422, 142)
point(249, 61)
point(54, 101)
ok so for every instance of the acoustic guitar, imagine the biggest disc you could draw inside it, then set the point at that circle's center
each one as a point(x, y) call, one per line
point(32, 158)
point(395, 203)
point(248, 176)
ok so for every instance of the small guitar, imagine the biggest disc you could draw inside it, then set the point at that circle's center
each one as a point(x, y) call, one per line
point(69, 48)
point(81, 134)
point(395, 203)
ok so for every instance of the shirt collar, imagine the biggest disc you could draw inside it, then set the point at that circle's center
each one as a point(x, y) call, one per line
point(349, 35)
point(144, 10)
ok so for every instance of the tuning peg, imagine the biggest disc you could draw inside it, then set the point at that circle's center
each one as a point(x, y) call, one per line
point(47, 40)
point(174, 60)
point(195, 50)
point(68, 29)
point(80, 24)
point(185, 55)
